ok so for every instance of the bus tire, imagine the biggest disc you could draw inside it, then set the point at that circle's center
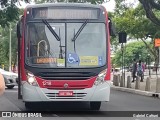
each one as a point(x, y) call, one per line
point(95, 105)
point(10, 87)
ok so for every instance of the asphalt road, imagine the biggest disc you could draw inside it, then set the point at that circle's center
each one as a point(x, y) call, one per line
point(119, 101)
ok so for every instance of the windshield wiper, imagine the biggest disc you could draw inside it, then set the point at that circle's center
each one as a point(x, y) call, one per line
point(55, 35)
point(51, 29)
point(80, 30)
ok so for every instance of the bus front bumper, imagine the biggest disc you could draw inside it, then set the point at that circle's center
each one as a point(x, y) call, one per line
point(37, 94)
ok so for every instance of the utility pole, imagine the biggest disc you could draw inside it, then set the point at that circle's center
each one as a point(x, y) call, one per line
point(122, 39)
point(10, 64)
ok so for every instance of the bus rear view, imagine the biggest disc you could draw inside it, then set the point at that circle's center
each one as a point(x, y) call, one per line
point(64, 54)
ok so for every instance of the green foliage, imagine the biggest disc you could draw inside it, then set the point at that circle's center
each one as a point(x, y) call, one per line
point(134, 22)
point(8, 14)
point(4, 45)
point(151, 6)
point(132, 50)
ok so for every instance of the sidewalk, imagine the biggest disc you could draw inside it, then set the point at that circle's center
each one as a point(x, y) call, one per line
point(141, 91)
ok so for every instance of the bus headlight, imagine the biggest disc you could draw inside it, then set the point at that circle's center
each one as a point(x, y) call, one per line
point(100, 78)
point(31, 79)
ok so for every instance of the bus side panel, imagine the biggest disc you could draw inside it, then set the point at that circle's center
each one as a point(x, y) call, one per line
point(23, 74)
point(19, 68)
point(108, 74)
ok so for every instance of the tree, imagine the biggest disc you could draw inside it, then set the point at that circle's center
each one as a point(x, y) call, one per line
point(132, 50)
point(133, 21)
point(151, 7)
point(9, 13)
point(4, 45)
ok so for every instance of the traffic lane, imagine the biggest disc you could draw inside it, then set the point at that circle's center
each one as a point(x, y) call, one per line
point(11, 96)
point(61, 106)
point(119, 101)
point(124, 101)
point(7, 105)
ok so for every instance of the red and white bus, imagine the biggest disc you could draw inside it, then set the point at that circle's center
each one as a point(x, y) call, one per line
point(64, 53)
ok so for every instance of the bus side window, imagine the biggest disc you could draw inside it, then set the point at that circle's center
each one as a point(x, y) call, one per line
point(32, 44)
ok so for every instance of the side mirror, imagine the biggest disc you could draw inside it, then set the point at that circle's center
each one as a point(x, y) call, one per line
point(112, 30)
point(19, 29)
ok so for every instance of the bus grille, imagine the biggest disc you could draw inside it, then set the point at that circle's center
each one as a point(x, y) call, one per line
point(66, 75)
point(75, 96)
point(65, 78)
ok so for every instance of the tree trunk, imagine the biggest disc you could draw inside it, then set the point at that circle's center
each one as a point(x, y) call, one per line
point(149, 5)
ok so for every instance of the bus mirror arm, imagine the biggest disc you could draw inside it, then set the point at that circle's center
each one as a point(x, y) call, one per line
point(112, 29)
point(18, 31)
point(19, 35)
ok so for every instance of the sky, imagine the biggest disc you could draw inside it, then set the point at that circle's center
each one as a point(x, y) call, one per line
point(109, 5)
point(22, 4)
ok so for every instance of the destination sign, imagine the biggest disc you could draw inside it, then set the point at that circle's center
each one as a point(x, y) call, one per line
point(61, 13)
point(45, 60)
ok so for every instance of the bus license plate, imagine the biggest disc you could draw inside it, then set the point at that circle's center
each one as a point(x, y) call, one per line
point(65, 93)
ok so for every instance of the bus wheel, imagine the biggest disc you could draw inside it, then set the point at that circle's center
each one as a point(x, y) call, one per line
point(10, 87)
point(95, 105)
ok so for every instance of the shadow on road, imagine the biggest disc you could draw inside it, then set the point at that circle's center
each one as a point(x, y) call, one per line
point(65, 109)
point(58, 106)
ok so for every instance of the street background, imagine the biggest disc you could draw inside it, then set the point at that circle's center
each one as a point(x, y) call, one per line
point(153, 79)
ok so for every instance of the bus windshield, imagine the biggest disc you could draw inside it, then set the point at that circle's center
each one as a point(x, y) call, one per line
point(44, 50)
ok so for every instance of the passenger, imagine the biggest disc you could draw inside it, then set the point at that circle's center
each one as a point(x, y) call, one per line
point(134, 69)
point(140, 70)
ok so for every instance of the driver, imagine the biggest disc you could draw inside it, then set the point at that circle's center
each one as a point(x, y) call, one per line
point(2, 84)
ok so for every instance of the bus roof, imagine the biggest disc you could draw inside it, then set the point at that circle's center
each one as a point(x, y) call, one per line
point(64, 4)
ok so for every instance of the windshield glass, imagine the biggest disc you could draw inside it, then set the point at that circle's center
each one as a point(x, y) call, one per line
point(87, 50)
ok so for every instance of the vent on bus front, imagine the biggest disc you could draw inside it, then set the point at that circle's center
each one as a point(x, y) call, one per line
point(75, 96)
point(65, 75)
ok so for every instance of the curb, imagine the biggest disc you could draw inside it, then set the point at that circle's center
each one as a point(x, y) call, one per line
point(140, 92)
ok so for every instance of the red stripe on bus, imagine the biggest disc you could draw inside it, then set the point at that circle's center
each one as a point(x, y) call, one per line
point(70, 84)
point(23, 74)
point(108, 72)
